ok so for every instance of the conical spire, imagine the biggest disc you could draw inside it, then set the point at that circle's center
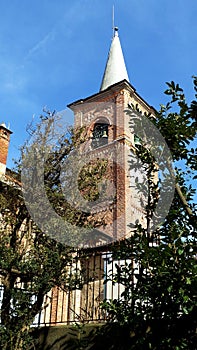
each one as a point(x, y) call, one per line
point(115, 69)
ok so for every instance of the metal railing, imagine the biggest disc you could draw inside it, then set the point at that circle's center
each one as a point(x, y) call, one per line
point(82, 304)
point(89, 285)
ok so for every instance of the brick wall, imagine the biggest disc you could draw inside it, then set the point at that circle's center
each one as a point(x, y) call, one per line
point(111, 106)
point(4, 145)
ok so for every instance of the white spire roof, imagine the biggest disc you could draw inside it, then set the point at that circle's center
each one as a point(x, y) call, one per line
point(115, 69)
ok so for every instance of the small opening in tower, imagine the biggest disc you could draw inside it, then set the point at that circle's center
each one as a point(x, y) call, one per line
point(137, 141)
point(100, 135)
point(4, 133)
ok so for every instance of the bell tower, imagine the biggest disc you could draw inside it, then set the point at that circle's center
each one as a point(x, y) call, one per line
point(109, 137)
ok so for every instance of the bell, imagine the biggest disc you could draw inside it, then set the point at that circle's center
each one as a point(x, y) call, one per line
point(104, 134)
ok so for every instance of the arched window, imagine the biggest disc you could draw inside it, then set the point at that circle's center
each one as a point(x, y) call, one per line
point(100, 135)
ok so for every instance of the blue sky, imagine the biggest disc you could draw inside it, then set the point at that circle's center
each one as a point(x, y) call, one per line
point(53, 52)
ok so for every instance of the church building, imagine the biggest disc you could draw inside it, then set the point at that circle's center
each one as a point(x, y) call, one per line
point(110, 138)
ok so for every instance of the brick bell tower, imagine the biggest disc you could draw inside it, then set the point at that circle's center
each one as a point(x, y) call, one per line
point(110, 139)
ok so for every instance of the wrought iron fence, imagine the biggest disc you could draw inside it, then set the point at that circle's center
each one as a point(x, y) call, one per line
point(81, 302)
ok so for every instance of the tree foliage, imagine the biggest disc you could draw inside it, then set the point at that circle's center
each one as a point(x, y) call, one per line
point(158, 304)
point(32, 262)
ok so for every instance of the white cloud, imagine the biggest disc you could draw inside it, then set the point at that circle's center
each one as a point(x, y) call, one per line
point(41, 44)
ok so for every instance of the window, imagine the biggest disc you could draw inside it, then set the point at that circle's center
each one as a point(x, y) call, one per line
point(137, 141)
point(100, 135)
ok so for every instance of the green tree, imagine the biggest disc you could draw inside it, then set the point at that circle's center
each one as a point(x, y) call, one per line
point(159, 309)
point(32, 262)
